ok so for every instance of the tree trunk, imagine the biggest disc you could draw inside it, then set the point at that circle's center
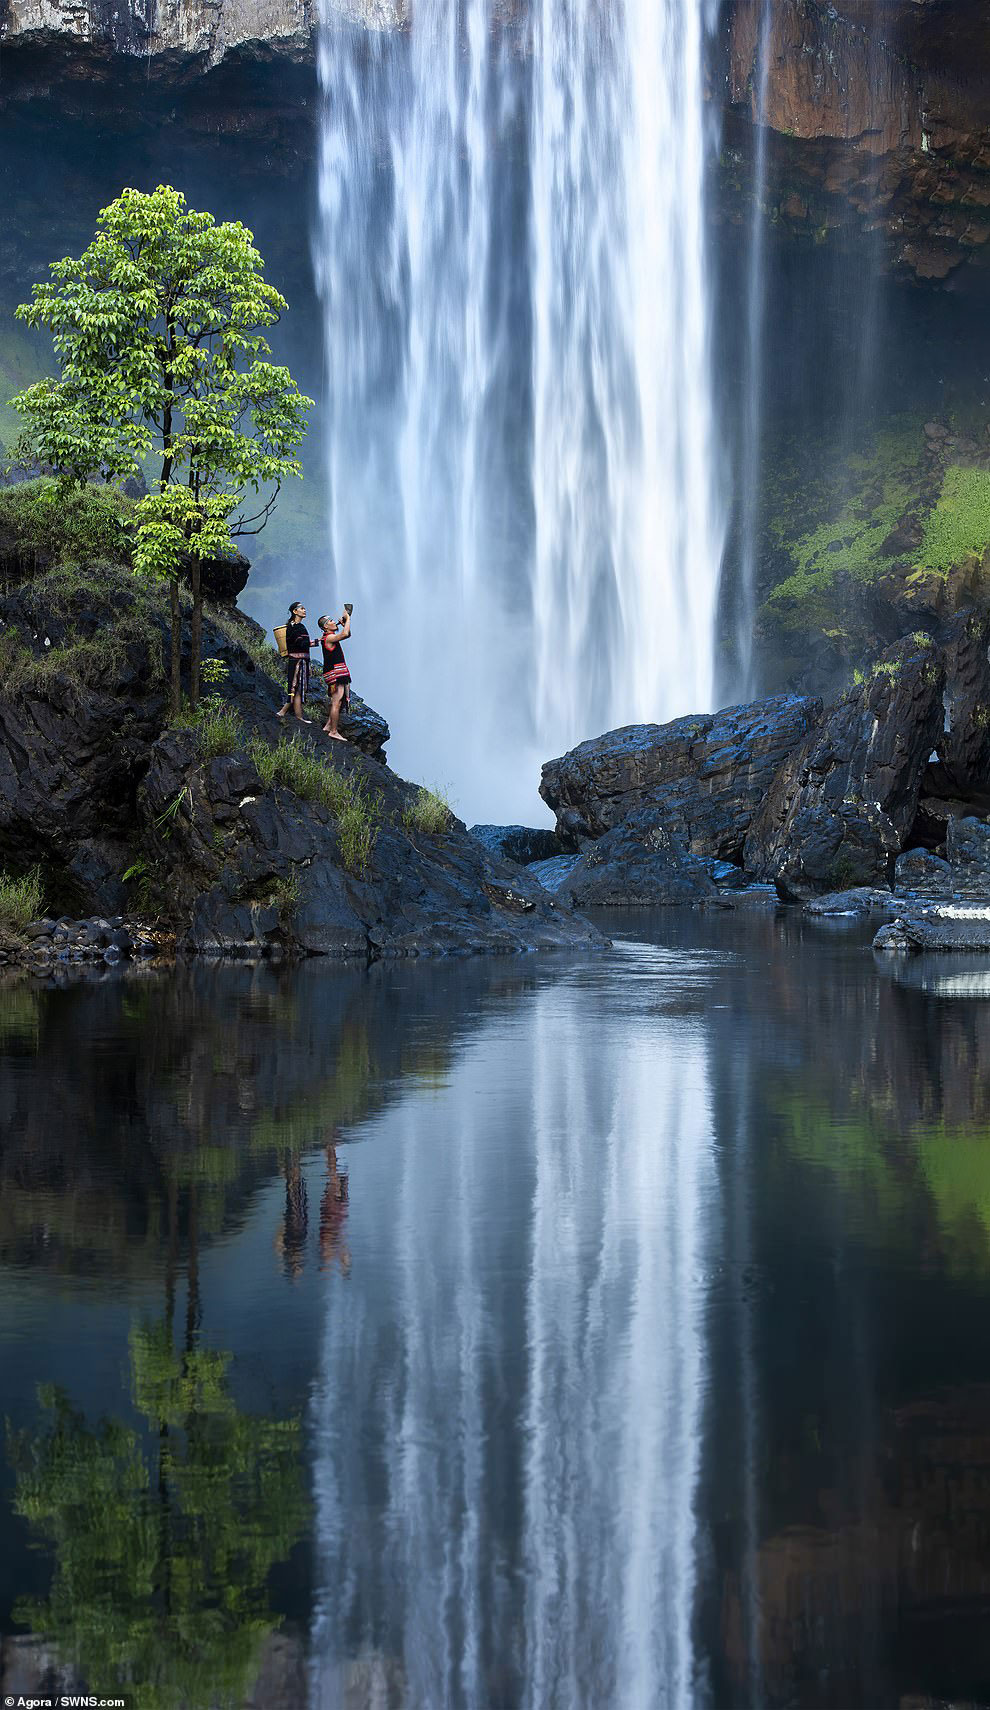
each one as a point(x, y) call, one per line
point(175, 674)
point(196, 631)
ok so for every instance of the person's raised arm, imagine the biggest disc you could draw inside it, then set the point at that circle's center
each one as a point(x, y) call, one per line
point(344, 627)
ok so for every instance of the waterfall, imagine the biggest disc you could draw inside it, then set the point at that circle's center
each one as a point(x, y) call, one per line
point(625, 468)
point(521, 446)
point(752, 407)
point(509, 1418)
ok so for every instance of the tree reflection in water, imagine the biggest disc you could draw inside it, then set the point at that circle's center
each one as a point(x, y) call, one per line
point(163, 1537)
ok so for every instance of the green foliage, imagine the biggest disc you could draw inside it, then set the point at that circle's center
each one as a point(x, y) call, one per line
point(310, 776)
point(159, 336)
point(428, 811)
point(21, 900)
point(23, 358)
point(84, 524)
point(285, 897)
point(86, 661)
point(163, 1539)
point(960, 521)
point(856, 504)
point(218, 726)
point(214, 671)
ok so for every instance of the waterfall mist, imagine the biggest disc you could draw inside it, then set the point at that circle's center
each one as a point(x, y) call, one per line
point(523, 466)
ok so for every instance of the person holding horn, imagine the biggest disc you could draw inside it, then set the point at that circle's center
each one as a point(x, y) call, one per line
point(335, 673)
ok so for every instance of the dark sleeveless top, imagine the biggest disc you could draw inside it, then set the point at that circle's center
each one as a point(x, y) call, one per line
point(333, 655)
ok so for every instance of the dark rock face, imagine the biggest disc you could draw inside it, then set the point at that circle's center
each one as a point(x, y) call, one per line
point(964, 749)
point(222, 579)
point(93, 784)
point(638, 863)
point(967, 849)
point(874, 105)
point(842, 804)
point(702, 778)
point(254, 869)
point(521, 843)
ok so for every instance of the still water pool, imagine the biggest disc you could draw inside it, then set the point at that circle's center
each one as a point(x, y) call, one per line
point(600, 1334)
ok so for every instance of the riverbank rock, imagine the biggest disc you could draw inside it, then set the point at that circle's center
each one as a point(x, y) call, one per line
point(939, 928)
point(638, 864)
point(841, 805)
point(702, 778)
point(46, 946)
point(254, 869)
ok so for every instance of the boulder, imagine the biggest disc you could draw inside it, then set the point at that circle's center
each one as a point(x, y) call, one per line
point(967, 850)
point(918, 870)
point(521, 843)
point(703, 777)
point(638, 864)
point(223, 577)
point(943, 929)
point(861, 900)
point(839, 809)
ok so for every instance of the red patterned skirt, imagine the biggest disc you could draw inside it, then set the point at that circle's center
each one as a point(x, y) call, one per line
point(338, 674)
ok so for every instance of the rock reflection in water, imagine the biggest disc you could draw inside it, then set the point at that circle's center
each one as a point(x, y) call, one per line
point(512, 1395)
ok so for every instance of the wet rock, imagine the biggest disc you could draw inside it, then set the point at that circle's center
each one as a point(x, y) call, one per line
point(73, 751)
point(841, 805)
point(920, 870)
point(967, 850)
point(551, 874)
point(964, 748)
point(522, 843)
point(638, 864)
point(945, 929)
point(703, 777)
point(223, 578)
point(861, 901)
point(277, 878)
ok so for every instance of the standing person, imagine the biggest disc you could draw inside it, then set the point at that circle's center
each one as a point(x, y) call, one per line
point(335, 673)
point(297, 646)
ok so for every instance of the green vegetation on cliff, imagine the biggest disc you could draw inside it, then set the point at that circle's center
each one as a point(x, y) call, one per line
point(959, 524)
point(91, 524)
point(900, 514)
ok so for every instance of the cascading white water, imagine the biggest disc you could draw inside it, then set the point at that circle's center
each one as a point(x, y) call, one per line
point(625, 467)
point(523, 463)
point(752, 404)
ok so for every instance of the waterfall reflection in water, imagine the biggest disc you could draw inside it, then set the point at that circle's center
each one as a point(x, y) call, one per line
point(510, 1415)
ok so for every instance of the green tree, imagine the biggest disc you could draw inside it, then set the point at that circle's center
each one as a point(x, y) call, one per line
point(159, 334)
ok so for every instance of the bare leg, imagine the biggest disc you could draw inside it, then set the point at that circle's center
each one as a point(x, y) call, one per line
point(336, 702)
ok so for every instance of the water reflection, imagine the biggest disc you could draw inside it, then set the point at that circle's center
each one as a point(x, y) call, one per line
point(512, 1397)
point(554, 1334)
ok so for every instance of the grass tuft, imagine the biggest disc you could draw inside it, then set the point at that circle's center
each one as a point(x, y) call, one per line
point(429, 811)
point(308, 775)
point(20, 900)
point(218, 726)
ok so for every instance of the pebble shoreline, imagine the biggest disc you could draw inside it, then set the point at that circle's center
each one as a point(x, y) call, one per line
point(47, 944)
